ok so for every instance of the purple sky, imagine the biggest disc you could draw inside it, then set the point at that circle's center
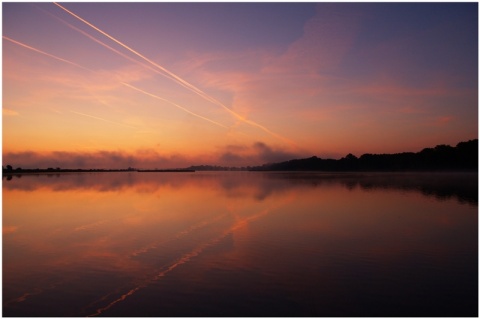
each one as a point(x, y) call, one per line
point(234, 83)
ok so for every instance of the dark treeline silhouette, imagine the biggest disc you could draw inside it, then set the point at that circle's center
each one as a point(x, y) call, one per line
point(9, 170)
point(218, 168)
point(462, 157)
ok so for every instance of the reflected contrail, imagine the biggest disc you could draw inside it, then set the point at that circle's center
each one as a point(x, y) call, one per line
point(176, 105)
point(154, 245)
point(131, 86)
point(179, 235)
point(35, 292)
point(177, 79)
point(188, 256)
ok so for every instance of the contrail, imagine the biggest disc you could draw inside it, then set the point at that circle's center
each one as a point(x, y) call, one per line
point(91, 37)
point(45, 53)
point(167, 72)
point(90, 225)
point(177, 79)
point(135, 61)
point(102, 119)
point(180, 107)
point(131, 86)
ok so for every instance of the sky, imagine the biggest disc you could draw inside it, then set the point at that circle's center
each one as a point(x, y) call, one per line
point(169, 85)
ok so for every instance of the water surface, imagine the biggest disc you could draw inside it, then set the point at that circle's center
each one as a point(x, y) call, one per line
point(240, 244)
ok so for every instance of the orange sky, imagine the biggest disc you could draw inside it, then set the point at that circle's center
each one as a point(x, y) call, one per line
point(173, 85)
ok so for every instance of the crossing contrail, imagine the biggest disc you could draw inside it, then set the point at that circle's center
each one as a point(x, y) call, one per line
point(177, 79)
point(135, 61)
point(91, 37)
point(123, 83)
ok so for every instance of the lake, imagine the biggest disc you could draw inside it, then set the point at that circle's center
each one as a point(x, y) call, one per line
point(240, 244)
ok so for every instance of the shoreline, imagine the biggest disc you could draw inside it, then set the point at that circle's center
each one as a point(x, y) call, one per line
point(64, 171)
point(60, 171)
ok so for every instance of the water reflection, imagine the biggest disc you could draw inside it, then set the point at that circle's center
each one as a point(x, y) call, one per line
point(240, 243)
point(462, 186)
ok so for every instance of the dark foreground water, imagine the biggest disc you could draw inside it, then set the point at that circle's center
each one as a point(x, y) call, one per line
point(240, 244)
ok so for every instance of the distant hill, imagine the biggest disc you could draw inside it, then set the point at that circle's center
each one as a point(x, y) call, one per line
point(462, 157)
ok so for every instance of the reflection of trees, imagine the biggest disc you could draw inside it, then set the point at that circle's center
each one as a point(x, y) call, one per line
point(258, 185)
point(9, 177)
point(463, 187)
point(443, 186)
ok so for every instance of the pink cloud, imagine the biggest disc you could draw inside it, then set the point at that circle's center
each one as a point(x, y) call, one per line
point(389, 87)
point(9, 229)
point(444, 120)
point(7, 112)
point(260, 79)
point(327, 38)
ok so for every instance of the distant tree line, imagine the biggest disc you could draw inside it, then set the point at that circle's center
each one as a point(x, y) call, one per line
point(10, 170)
point(218, 168)
point(462, 157)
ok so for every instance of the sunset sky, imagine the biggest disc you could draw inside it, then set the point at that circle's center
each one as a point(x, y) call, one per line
point(167, 85)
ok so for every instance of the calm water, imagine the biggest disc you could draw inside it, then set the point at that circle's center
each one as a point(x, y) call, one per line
point(240, 244)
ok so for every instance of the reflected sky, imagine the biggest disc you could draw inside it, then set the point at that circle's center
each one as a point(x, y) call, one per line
point(462, 186)
point(144, 244)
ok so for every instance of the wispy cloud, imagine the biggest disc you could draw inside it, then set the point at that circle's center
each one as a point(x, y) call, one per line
point(44, 53)
point(444, 120)
point(9, 229)
point(256, 154)
point(7, 112)
point(290, 82)
point(109, 77)
point(102, 119)
point(327, 38)
point(174, 104)
point(180, 80)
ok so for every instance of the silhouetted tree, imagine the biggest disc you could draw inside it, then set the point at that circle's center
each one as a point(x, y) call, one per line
point(442, 157)
point(348, 163)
